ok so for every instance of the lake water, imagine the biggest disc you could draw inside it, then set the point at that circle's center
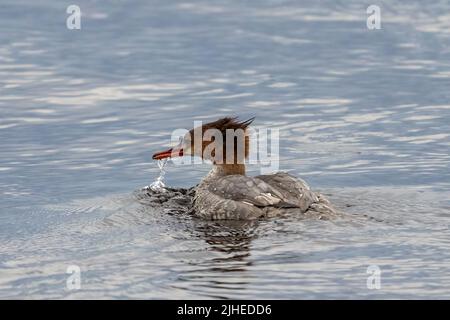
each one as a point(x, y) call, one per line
point(363, 117)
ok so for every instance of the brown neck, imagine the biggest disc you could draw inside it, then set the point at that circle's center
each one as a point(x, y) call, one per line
point(221, 170)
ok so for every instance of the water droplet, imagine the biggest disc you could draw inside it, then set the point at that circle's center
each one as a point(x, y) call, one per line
point(158, 184)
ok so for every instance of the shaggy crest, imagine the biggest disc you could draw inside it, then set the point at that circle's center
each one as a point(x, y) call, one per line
point(228, 123)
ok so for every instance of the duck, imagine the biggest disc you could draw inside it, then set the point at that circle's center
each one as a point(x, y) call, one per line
point(227, 193)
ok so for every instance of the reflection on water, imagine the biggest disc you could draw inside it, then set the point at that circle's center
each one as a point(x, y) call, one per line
point(363, 116)
point(231, 240)
point(230, 237)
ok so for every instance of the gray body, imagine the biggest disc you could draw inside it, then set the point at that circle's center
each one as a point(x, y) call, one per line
point(239, 197)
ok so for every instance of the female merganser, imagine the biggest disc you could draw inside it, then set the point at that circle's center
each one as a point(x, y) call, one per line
point(226, 193)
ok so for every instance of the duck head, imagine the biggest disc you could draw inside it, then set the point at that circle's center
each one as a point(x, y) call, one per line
point(224, 141)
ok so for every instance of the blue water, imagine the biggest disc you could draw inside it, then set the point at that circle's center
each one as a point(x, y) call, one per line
point(363, 117)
